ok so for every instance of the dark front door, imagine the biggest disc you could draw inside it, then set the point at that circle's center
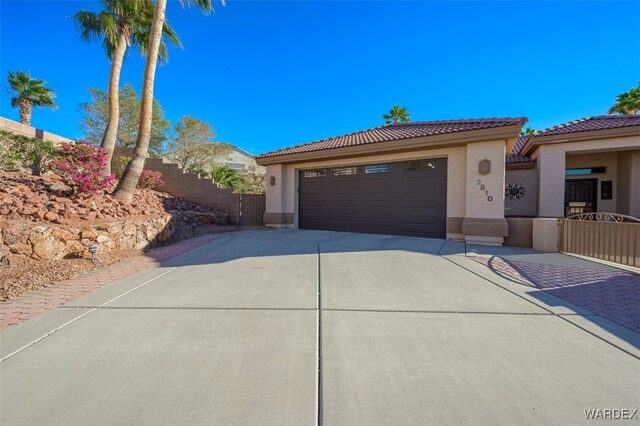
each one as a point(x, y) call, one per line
point(405, 198)
point(581, 195)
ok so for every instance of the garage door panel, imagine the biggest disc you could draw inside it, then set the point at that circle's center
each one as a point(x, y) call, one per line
point(403, 202)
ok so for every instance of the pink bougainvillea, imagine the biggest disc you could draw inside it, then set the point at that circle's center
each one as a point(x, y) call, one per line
point(150, 179)
point(82, 165)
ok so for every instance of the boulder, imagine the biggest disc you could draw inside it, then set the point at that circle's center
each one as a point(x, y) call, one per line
point(64, 235)
point(21, 248)
point(49, 248)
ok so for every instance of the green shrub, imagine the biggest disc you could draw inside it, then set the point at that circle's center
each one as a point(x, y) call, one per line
point(22, 151)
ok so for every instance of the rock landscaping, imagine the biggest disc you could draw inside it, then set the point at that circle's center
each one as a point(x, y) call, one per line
point(45, 231)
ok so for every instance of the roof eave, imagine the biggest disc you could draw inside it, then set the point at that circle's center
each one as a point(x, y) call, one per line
point(410, 144)
point(521, 165)
point(535, 141)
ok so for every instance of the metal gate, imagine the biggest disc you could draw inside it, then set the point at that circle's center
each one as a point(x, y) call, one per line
point(252, 207)
point(607, 236)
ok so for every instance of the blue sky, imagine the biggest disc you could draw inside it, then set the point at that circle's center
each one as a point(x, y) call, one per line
point(272, 74)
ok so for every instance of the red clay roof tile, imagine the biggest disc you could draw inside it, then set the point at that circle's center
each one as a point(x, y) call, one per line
point(398, 131)
point(602, 122)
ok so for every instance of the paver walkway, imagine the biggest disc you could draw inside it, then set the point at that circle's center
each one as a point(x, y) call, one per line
point(36, 302)
point(609, 292)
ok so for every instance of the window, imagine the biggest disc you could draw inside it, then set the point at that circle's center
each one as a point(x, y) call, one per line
point(344, 171)
point(421, 165)
point(314, 173)
point(585, 171)
point(378, 168)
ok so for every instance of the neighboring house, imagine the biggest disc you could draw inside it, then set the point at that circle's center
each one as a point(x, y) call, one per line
point(432, 179)
point(452, 179)
point(240, 160)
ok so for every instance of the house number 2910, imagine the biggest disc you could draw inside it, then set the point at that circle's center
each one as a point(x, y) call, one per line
point(483, 188)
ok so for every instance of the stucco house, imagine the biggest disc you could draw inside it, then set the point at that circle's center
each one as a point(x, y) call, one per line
point(475, 180)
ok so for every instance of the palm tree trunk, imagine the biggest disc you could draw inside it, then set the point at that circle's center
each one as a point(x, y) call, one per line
point(25, 112)
point(127, 184)
point(111, 131)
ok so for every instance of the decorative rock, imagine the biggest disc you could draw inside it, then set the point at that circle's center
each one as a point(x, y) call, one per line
point(49, 248)
point(74, 247)
point(50, 216)
point(64, 235)
point(89, 234)
point(39, 229)
point(102, 239)
point(21, 248)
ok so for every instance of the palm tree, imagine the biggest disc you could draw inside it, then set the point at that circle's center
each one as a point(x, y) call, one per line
point(396, 114)
point(226, 177)
point(528, 131)
point(627, 102)
point(29, 92)
point(121, 23)
point(127, 184)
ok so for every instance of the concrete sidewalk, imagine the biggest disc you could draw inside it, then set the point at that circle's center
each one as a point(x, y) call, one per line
point(305, 327)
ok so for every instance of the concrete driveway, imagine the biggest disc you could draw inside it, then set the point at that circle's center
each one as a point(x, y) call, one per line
point(304, 327)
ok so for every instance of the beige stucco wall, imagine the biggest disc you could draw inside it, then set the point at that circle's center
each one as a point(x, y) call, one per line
point(487, 202)
point(24, 130)
point(552, 162)
point(628, 185)
point(526, 206)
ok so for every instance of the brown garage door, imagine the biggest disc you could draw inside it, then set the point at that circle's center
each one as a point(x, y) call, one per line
point(407, 198)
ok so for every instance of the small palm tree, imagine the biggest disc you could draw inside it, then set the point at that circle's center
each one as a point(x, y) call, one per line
point(226, 177)
point(121, 24)
point(528, 131)
point(29, 92)
point(127, 184)
point(397, 114)
point(627, 102)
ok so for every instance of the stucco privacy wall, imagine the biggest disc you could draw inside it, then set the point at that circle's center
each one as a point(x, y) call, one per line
point(527, 205)
point(24, 130)
point(552, 163)
point(283, 196)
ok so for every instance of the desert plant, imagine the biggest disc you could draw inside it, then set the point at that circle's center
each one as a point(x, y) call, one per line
point(627, 102)
point(150, 179)
point(23, 151)
point(226, 177)
point(126, 186)
point(397, 114)
point(82, 165)
point(122, 23)
point(29, 92)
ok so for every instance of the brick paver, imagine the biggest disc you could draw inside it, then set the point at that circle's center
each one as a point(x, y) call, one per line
point(35, 302)
point(609, 292)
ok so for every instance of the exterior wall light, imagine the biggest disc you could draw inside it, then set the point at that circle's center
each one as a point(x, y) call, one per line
point(272, 180)
point(484, 167)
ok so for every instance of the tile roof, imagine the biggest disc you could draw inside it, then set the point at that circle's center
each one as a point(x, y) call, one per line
point(398, 131)
point(602, 122)
point(515, 156)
